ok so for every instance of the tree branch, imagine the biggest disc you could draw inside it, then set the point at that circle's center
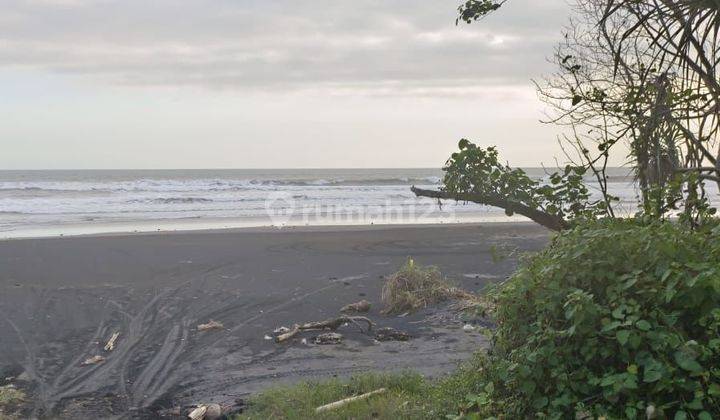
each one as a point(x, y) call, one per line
point(547, 220)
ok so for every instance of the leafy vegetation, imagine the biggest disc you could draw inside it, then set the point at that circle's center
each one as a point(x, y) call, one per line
point(11, 400)
point(473, 10)
point(614, 320)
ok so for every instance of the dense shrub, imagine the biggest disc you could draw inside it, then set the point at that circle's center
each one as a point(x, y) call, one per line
point(612, 320)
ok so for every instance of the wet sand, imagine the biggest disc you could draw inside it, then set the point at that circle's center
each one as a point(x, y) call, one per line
point(62, 298)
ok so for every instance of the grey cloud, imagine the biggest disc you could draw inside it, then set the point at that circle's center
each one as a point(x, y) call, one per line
point(380, 46)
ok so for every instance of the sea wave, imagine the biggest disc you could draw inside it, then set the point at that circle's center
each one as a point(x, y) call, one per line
point(181, 200)
point(175, 185)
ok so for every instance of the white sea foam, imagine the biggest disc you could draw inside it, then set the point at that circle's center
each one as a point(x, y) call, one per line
point(55, 199)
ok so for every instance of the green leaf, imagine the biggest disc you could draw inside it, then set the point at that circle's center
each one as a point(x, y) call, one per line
point(490, 387)
point(643, 325)
point(681, 415)
point(652, 375)
point(622, 336)
point(687, 362)
point(714, 390)
point(611, 326)
point(618, 313)
point(704, 415)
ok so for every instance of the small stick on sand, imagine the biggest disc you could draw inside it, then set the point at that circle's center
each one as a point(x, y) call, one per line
point(212, 325)
point(111, 342)
point(288, 335)
point(93, 360)
point(346, 401)
point(357, 307)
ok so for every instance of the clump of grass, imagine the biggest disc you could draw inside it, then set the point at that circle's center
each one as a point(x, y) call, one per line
point(10, 400)
point(415, 287)
point(408, 396)
point(405, 393)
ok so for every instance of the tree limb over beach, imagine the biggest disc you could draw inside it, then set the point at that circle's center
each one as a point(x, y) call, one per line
point(555, 201)
point(547, 220)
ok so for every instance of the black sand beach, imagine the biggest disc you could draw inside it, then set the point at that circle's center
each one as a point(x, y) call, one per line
point(62, 298)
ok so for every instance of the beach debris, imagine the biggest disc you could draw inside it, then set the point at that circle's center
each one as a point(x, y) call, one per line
point(468, 328)
point(358, 307)
point(111, 342)
point(198, 413)
point(281, 330)
point(213, 412)
point(212, 325)
point(93, 360)
point(288, 335)
point(391, 334)
point(267, 337)
point(331, 324)
point(335, 323)
point(346, 401)
point(328, 338)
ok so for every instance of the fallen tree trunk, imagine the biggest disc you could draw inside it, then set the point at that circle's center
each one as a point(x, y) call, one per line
point(547, 220)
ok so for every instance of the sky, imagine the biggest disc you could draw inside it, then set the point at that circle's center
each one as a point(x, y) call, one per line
point(96, 84)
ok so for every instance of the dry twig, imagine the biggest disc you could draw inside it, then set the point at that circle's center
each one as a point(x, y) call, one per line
point(111, 342)
point(346, 401)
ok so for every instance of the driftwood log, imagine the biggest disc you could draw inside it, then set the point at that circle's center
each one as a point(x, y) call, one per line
point(335, 323)
point(331, 324)
point(550, 221)
point(288, 335)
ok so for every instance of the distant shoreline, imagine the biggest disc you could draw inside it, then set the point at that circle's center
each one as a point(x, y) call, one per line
point(204, 226)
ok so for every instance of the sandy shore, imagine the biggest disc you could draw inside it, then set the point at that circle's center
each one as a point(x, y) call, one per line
point(62, 298)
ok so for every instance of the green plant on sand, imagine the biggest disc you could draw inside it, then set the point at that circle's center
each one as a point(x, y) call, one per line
point(10, 400)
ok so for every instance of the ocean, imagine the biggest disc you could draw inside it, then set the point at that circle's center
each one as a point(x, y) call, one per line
point(70, 202)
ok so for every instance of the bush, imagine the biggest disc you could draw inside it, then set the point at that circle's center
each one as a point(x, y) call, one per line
point(612, 320)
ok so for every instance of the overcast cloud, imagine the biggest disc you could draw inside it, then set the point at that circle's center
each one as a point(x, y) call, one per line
point(373, 54)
